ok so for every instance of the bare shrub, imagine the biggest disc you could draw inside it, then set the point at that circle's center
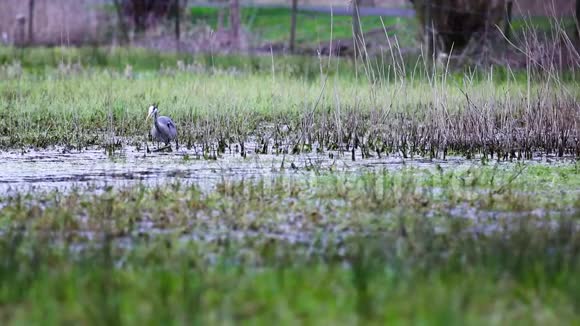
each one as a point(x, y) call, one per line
point(455, 22)
point(146, 13)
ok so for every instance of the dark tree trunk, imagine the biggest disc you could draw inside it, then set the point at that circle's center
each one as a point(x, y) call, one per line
point(122, 25)
point(428, 28)
point(220, 19)
point(430, 33)
point(578, 17)
point(508, 19)
point(235, 23)
point(358, 45)
point(177, 9)
point(30, 21)
point(293, 25)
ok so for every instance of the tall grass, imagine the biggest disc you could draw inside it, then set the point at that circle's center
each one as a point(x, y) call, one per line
point(373, 106)
point(432, 116)
point(528, 277)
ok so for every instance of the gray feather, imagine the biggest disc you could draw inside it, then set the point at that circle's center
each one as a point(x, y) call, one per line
point(164, 130)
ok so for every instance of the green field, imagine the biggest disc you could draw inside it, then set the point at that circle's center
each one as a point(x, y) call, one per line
point(273, 24)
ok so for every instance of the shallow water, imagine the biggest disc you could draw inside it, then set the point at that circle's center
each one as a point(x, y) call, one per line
point(94, 170)
point(56, 169)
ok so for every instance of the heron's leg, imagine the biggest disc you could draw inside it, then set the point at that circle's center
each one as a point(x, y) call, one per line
point(147, 138)
point(162, 148)
point(176, 144)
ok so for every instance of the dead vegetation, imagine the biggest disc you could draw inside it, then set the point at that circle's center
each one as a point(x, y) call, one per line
point(500, 130)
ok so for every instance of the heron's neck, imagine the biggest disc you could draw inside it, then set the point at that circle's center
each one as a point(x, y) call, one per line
point(155, 122)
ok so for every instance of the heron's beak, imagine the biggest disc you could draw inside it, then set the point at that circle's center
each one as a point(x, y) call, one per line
point(148, 116)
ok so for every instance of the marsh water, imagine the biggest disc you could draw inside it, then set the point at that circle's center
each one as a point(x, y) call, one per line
point(58, 169)
point(95, 170)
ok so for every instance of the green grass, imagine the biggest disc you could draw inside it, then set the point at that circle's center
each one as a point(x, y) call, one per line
point(543, 24)
point(380, 247)
point(326, 203)
point(166, 283)
point(41, 60)
point(273, 24)
point(411, 66)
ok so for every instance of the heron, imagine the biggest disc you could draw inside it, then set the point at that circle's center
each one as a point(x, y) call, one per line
point(163, 129)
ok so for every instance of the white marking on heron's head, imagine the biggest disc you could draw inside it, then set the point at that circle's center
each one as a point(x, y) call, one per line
point(152, 110)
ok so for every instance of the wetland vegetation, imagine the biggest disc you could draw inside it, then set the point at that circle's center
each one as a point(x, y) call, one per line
point(385, 110)
point(496, 244)
point(307, 190)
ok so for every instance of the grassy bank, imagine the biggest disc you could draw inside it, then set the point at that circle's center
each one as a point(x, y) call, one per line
point(381, 247)
point(276, 112)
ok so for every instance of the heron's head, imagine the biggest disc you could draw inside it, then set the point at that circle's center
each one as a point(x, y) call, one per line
point(152, 111)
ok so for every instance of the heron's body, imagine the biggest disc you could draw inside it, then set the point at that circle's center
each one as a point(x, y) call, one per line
point(163, 129)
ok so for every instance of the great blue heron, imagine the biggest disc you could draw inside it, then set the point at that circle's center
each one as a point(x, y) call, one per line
point(163, 130)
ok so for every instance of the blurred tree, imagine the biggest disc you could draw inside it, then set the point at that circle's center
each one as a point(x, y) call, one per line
point(451, 24)
point(145, 13)
point(30, 21)
point(358, 42)
point(140, 15)
point(121, 21)
point(235, 24)
point(508, 19)
point(293, 25)
point(177, 13)
point(578, 17)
